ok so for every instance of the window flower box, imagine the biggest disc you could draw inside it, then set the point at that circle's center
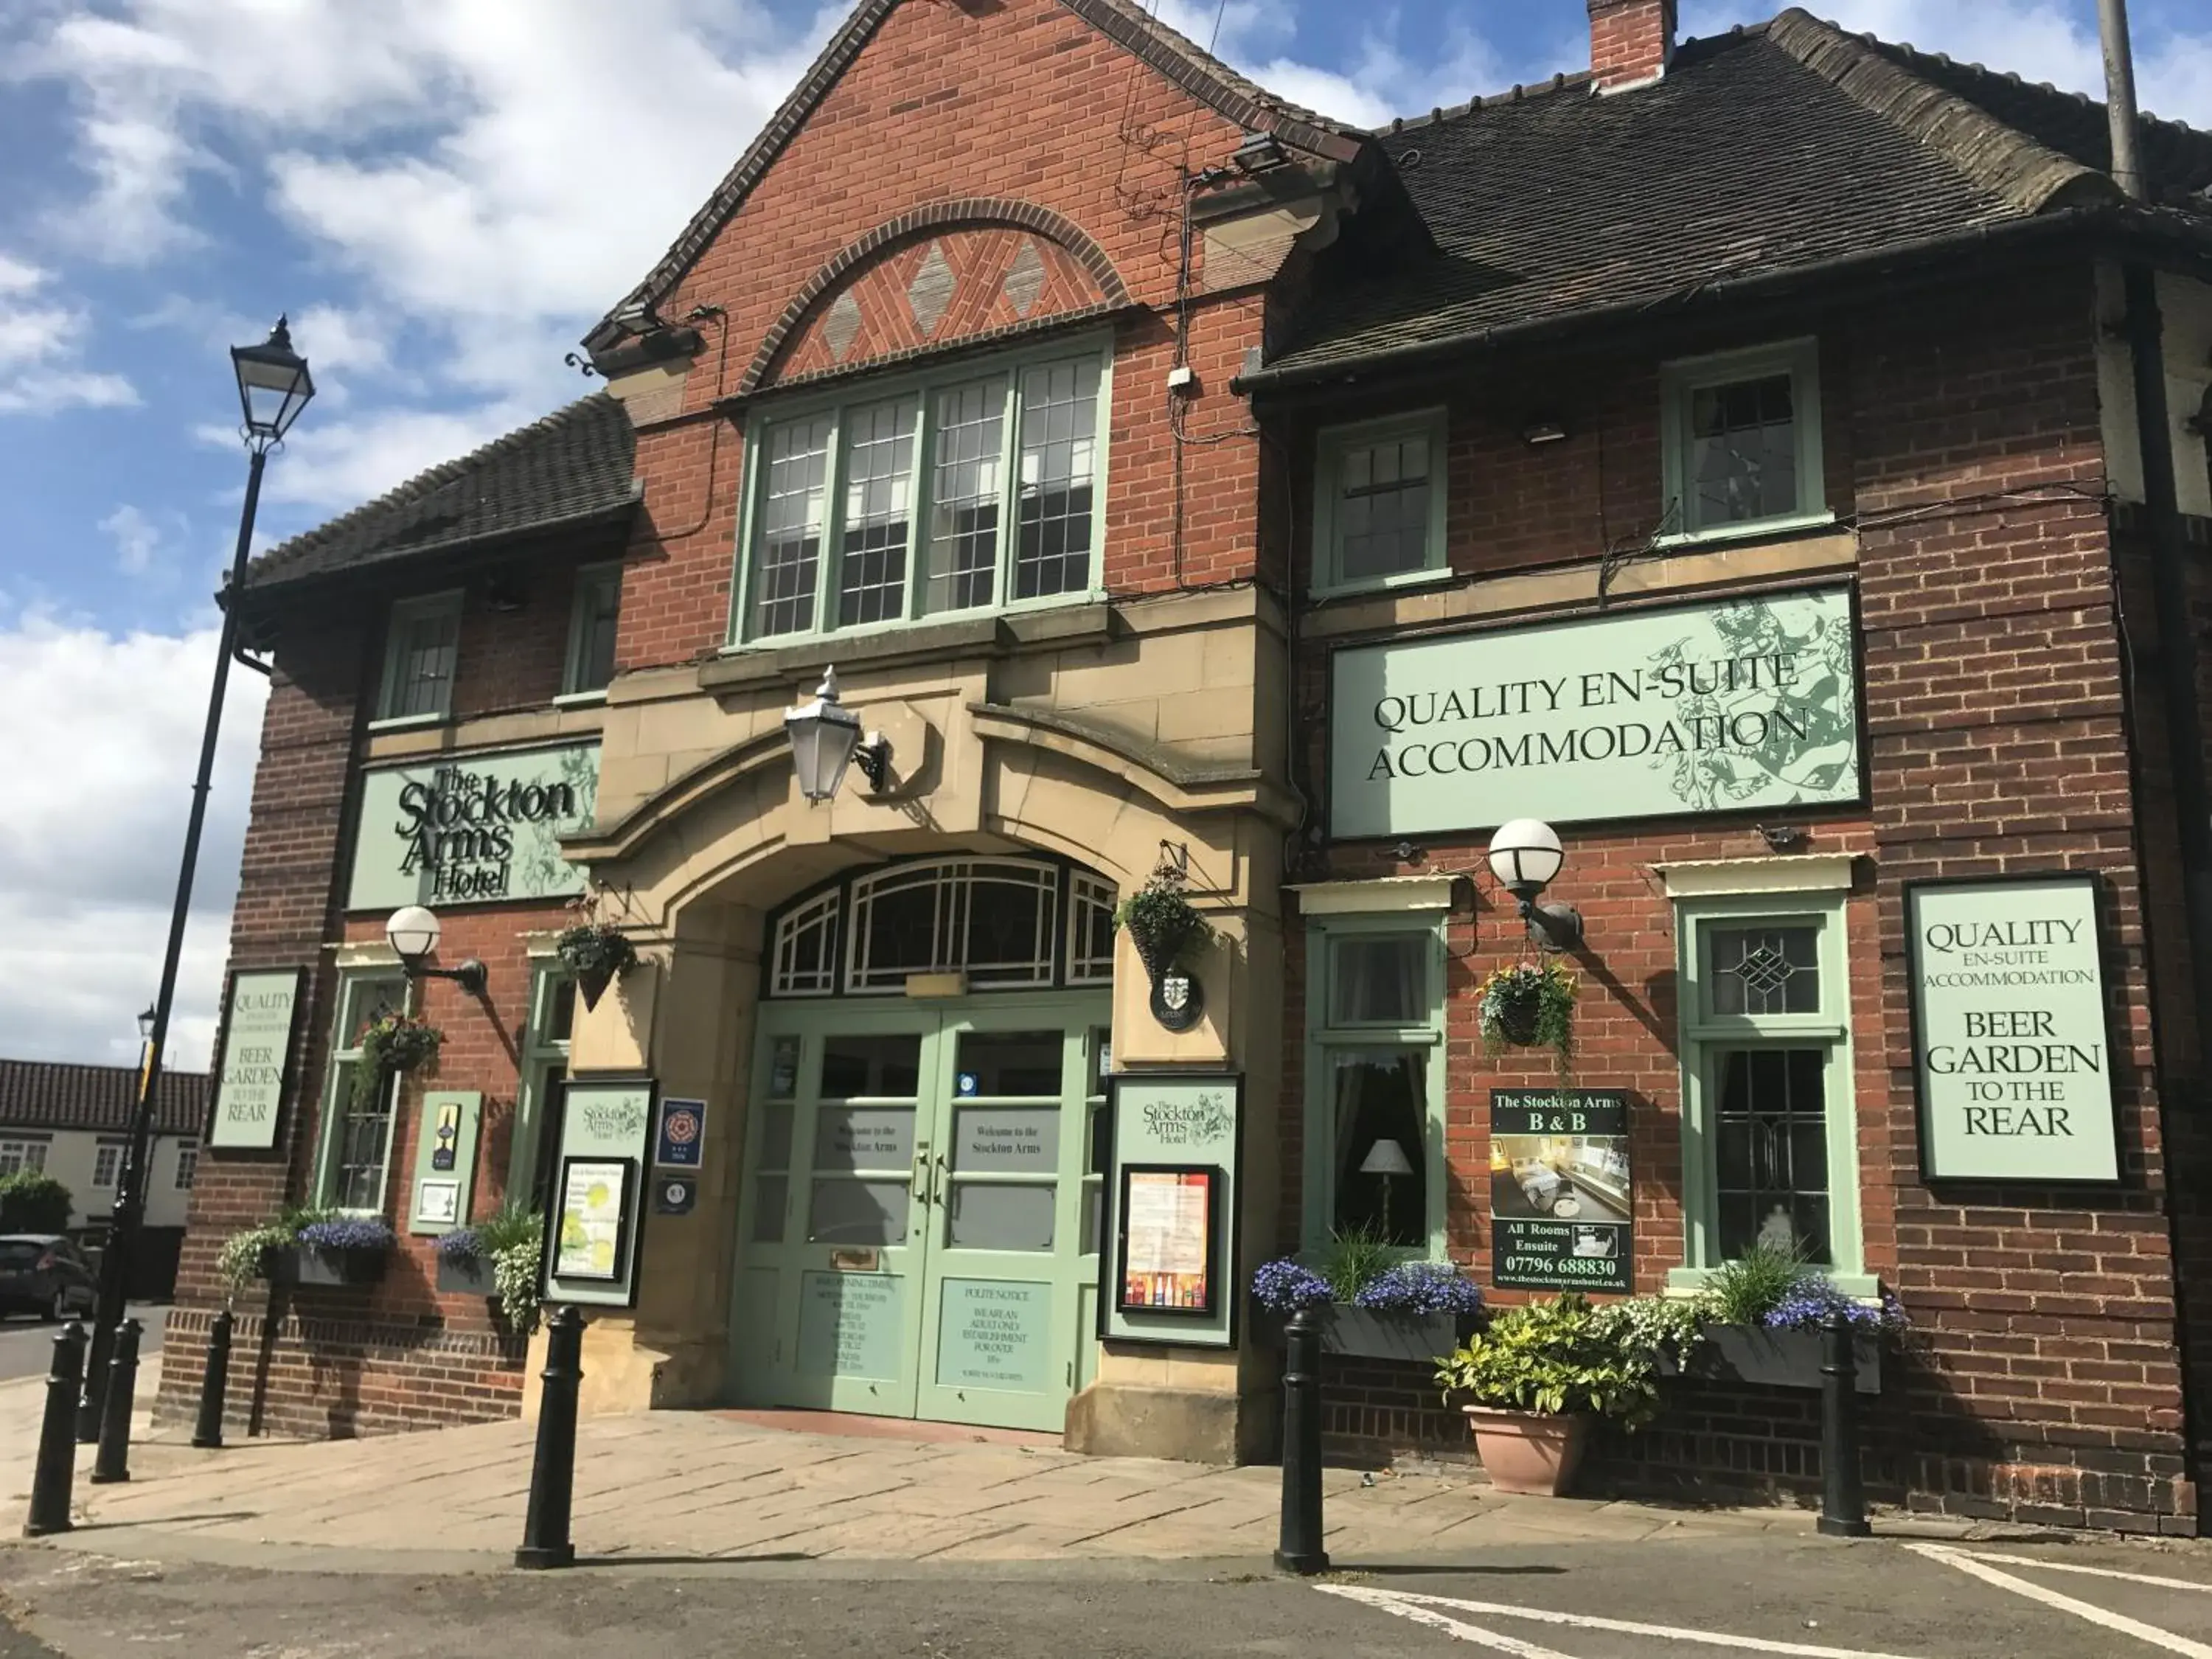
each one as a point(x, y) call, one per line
point(1785, 1359)
point(468, 1276)
point(344, 1251)
point(1360, 1332)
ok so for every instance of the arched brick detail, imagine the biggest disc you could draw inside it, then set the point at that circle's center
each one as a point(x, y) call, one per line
point(974, 212)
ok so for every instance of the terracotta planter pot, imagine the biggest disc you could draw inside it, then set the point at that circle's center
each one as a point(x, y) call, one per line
point(1523, 1453)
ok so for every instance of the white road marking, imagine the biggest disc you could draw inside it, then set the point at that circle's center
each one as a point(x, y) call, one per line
point(1496, 1642)
point(2095, 1572)
point(1407, 1605)
point(1975, 1567)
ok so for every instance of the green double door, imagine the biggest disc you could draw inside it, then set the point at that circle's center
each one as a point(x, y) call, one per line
point(918, 1226)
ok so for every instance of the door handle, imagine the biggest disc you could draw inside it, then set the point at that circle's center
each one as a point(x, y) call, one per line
point(937, 1195)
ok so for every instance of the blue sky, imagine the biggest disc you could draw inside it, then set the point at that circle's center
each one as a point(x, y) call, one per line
point(444, 194)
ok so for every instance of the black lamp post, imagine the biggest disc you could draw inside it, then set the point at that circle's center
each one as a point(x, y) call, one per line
point(273, 387)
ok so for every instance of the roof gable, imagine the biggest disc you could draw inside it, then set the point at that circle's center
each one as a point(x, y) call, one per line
point(1126, 23)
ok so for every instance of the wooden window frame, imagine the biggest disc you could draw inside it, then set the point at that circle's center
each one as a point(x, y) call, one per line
point(1330, 446)
point(403, 613)
point(590, 579)
point(1800, 359)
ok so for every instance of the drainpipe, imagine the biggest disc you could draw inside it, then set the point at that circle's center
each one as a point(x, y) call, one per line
point(2177, 641)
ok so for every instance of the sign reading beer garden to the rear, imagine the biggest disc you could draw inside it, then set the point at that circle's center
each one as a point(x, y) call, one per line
point(1740, 705)
point(472, 829)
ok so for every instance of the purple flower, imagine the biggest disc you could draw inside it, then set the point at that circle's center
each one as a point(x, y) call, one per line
point(1422, 1287)
point(1285, 1286)
point(347, 1233)
point(463, 1245)
point(1812, 1299)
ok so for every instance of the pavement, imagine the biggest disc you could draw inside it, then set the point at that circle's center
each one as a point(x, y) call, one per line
point(951, 1545)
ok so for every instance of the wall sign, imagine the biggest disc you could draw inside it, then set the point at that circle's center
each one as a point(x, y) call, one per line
point(1562, 1202)
point(594, 1229)
point(259, 1020)
point(445, 1160)
point(1743, 704)
point(2008, 1031)
point(481, 830)
point(682, 1126)
point(1171, 1124)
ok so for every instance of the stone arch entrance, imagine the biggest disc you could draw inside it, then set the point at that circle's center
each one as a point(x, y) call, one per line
point(917, 1226)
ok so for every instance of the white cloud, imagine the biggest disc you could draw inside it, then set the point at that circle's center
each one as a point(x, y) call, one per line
point(106, 731)
point(41, 369)
point(138, 539)
point(339, 465)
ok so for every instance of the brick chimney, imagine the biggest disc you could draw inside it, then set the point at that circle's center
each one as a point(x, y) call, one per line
point(1631, 42)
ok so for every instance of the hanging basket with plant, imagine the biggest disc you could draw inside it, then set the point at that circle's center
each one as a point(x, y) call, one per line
point(1529, 1006)
point(393, 1042)
point(597, 954)
point(1162, 924)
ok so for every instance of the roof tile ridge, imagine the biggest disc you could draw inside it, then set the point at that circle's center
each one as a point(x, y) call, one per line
point(426, 482)
point(1520, 92)
point(1205, 57)
point(2149, 118)
point(1990, 152)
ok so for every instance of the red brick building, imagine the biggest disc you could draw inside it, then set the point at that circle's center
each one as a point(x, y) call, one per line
point(1728, 454)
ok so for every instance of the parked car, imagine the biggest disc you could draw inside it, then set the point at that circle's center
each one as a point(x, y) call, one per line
point(45, 1274)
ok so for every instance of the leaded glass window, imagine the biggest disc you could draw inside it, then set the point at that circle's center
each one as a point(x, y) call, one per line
point(359, 1147)
point(1742, 440)
point(1765, 969)
point(786, 565)
point(1383, 516)
point(1090, 930)
point(1770, 1151)
point(806, 948)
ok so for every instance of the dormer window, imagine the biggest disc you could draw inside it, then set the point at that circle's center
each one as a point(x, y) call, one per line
point(970, 490)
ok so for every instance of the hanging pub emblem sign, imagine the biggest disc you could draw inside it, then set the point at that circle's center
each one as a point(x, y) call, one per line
point(1177, 1002)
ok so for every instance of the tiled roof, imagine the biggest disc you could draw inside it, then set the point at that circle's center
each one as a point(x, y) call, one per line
point(1128, 23)
point(1784, 147)
point(37, 1094)
point(570, 468)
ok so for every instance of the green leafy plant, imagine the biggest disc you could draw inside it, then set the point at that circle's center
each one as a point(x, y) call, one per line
point(393, 1042)
point(1745, 1290)
point(513, 1237)
point(1653, 1325)
point(32, 1202)
point(1529, 1005)
point(1553, 1357)
point(1162, 923)
point(244, 1255)
point(1355, 1258)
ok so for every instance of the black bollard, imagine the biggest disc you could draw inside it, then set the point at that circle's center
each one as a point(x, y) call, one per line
point(207, 1433)
point(113, 1463)
point(1843, 1504)
point(50, 1486)
point(93, 1383)
point(553, 1471)
point(1299, 1547)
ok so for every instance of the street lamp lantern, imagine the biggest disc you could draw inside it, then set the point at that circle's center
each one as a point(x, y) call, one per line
point(1526, 857)
point(146, 1022)
point(825, 737)
point(413, 932)
point(273, 384)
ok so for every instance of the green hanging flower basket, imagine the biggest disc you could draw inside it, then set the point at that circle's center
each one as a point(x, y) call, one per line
point(393, 1042)
point(1162, 924)
point(1529, 1006)
point(597, 954)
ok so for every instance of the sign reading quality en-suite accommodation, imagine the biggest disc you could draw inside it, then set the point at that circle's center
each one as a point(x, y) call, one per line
point(2014, 1071)
point(1743, 705)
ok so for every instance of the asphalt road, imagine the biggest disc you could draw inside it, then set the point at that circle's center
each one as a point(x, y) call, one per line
point(26, 1345)
point(1803, 1598)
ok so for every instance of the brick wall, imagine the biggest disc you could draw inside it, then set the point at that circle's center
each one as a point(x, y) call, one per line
point(1963, 437)
point(341, 1360)
point(955, 94)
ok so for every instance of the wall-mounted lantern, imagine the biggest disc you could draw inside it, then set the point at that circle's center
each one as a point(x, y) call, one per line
point(825, 738)
point(413, 932)
point(1525, 855)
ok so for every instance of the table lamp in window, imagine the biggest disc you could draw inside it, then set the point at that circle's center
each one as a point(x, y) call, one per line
point(1388, 1159)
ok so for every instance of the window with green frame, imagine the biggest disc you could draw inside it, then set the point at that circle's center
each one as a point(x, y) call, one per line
point(592, 620)
point(354, 1163)
point(1379, 502)
point(1374, 1075)
point(975, 489)
point(422, 650)
point(544, 1067)
point(1741, 441)
point(1770, 1128)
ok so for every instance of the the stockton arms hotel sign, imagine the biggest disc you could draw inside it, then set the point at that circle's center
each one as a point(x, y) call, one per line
point(472, 829)
point(1743, 705)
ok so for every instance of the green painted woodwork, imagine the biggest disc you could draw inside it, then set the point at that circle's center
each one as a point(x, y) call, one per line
point(605, 1122)
point(869, 1174)
point(449, 1128)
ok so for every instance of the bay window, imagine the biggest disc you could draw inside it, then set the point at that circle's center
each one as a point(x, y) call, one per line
point(971, 490)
